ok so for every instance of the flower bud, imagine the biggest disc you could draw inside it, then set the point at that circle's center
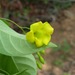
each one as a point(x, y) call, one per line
point(39, 65)
point(41, 59)
point(42, 52)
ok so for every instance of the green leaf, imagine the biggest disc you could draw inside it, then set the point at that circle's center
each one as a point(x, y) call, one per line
point(58, 48)
point(15, 44)
point(7, 23)
point(22, 73)
point(25, 65)
point(7, 66)
point(2, 72)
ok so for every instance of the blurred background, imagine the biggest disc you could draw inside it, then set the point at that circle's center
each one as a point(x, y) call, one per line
point(61, 15)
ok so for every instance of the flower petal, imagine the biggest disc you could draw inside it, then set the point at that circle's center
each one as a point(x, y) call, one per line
point(38, 42)
point(36, 26)
point(39, 34)
point(46, 39)
point(30, 36)
point(47, 28)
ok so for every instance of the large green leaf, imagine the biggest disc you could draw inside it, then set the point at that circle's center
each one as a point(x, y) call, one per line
point(7, 23)
point(25, 65)
point(7, 65)
point(15, 44)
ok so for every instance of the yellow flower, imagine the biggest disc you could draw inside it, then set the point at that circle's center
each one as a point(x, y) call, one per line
point(40, 33)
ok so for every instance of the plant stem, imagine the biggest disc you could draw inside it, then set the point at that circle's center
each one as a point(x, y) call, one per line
point(26, 28)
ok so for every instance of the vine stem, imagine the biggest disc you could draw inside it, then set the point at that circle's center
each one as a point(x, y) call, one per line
point(26, 28)
point(16, 24)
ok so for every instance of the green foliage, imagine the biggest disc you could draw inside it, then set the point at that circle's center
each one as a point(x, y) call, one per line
point(65, 47)
point(16, 53)
point(13, 65)
point(45, 1)
point(57, 48)
point(62, 4)
point(66, 73)
point(57, 62)
point(5, 22)
point(38, 1)
point(64, 50)
point(56, 3)
point(63, 56)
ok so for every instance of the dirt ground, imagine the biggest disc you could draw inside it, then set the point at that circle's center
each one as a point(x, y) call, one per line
point(64, 29)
